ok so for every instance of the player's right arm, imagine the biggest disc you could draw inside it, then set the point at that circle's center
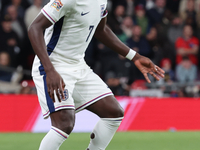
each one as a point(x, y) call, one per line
point(50, 14)
point(35, 33)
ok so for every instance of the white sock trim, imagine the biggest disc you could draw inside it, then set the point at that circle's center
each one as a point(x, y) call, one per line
point(113, 119)
point(53, 139)
point(60, 132)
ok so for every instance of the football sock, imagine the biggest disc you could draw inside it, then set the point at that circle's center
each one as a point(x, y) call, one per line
point(53, 139)
point(103, 133)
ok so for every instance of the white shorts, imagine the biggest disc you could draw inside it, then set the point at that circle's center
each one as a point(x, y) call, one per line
point(83, 88)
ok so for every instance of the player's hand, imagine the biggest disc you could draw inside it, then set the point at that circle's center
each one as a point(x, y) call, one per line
point(145, 65)
point(55, 83)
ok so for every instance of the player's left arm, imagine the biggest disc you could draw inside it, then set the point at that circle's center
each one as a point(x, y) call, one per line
point(104, 34)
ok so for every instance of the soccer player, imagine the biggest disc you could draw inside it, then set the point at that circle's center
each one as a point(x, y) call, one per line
point(65, 84)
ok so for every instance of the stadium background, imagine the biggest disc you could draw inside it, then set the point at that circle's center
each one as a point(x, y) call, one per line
point(157, 29)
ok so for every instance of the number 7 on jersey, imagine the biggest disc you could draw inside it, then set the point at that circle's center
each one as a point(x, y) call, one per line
point(90, 28)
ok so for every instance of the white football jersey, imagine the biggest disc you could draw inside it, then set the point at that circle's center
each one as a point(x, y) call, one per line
point(74, 24)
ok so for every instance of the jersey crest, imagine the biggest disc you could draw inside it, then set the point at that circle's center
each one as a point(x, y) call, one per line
point(57, 4)
point(66, 95)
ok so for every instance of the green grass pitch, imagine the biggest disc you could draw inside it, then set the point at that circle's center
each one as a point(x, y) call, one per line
point(121, 141)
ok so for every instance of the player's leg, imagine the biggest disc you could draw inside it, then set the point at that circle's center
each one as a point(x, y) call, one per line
point(111, 114)
point(92, 93)
point(62, 125)
point(62, 113)
point(107, 107)
point(63, 119)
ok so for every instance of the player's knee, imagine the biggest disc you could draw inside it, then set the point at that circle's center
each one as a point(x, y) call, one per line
point(116, 113)
point(119, 112)
point(63, 120)
point(116, 110)
point(67, 127)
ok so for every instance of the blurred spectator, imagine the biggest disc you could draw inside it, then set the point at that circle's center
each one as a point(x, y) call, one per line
point(152, 37)
point(9, 40)
point(4, 62)
point(156, 13)
point(166, 65)
point(187, 45)
point(32, 12)
point(17, 23)
point(123, 70)
point(113, 82)
point(186, 71)
point(183, 7)
point(126, 27)
point(116, 3)
point(175, 29)
point(105, 57)
point(116, 18)
point(139, 42)
point(189, 15)
point(20, 10)
point(141, 19)
point(166, 83)
point(129, 7)
point(164, 48)
point(19, 27)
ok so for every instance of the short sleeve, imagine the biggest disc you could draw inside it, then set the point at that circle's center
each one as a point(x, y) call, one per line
point(56, 9)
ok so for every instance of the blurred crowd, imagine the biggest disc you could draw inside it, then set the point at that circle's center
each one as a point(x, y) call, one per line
point(166, 31)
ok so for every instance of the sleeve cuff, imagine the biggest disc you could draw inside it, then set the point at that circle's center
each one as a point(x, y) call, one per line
point(48, 16)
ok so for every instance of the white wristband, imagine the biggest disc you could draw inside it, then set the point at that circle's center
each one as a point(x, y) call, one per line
point(130, 54)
